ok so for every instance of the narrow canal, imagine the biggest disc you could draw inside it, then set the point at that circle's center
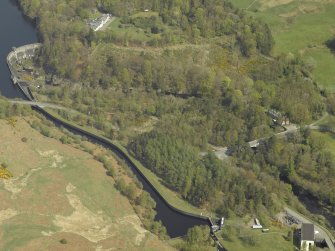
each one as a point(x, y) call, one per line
point(315, 207)
point(18, 31)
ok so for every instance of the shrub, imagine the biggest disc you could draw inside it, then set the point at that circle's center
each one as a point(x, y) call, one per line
point(111, 172)
point(248, 240)
point(24, 139)
point(63, 241)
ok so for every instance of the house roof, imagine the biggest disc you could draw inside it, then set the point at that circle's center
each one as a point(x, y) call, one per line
point(307, 232)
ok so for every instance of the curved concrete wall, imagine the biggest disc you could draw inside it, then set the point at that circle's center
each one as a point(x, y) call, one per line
point(23, 52)
point(17, 54)
point(20, 53)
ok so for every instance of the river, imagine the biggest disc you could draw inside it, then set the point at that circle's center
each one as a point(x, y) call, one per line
point(19, 31)
point(16, 30)
point(314, 206)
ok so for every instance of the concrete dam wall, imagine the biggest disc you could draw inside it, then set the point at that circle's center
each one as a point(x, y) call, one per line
point(16, 56)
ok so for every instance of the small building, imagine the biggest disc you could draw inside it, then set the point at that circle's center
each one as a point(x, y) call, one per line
point(278, 118)
point(98, 23)
point(285, 121)
point(218, 225)
point(257, 224)
point(307, 237)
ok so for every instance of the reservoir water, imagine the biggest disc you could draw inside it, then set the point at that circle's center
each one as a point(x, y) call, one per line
point(15, 30)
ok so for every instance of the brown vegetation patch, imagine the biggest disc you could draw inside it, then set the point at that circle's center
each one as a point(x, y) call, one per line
point(289, 14)
point(84, 222)
point(95, 227)
point(135, 222)
point(266, 4)
point(310, 8)
point(16, 185)
point(147, 126)
point(7, 214)
point(52, 243)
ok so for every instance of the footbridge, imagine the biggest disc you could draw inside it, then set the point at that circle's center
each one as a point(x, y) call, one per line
point(223, 152)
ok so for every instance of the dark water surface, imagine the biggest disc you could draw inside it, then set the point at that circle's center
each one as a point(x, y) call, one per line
point(15, 31)
point(314, 206)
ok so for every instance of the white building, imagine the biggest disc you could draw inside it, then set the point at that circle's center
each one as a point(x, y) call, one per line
point(257, 224)
point(307, 237)
point(98, 23)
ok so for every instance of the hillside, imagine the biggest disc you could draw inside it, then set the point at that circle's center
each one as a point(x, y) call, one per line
point(170, 79)
point(204, 72)
point(305, 28)
point(60, 197)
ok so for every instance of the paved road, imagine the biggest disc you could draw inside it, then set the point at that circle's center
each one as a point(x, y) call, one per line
point(322, 233)
point(221, 152)
point(40, 104)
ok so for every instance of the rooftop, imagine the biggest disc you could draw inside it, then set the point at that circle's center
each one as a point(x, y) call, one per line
point(97, 23)
point(307, 232)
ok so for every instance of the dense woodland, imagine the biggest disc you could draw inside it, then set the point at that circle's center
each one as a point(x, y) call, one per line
point(302, 159)
point(66, 36)
point(203, 76)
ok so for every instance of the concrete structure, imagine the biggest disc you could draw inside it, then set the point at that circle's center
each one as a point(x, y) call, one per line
point(16, 56)
point(307, 236)
point(98, 23)
point(216, 226)
point(23, 52)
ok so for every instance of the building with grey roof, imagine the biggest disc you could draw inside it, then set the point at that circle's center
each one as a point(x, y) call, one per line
point(307, 236)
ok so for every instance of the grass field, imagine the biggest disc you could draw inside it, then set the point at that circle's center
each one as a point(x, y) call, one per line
point(301, 27)
point(129, 33)
point(59, 192)
point(239, 236)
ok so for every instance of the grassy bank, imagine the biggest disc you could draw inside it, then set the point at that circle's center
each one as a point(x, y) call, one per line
point(301, 27)
point(239, 236)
